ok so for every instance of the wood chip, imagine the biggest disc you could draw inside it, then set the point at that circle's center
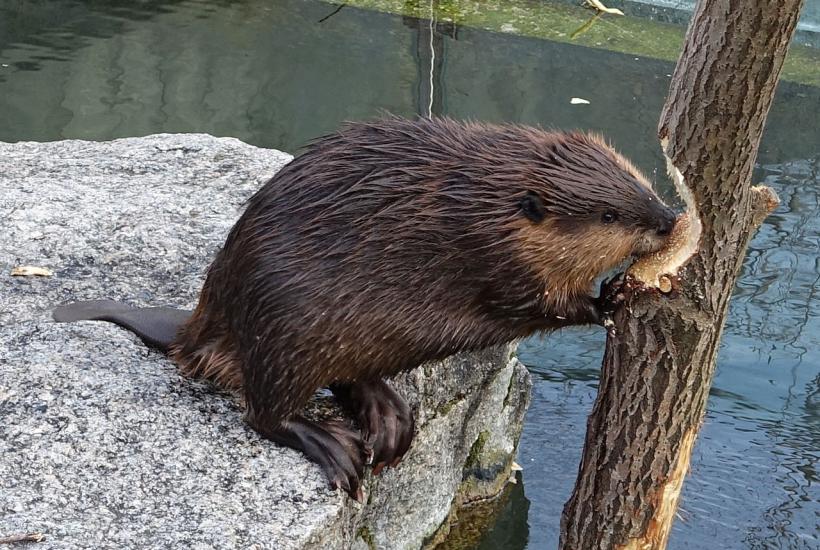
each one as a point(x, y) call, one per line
point(31, 271)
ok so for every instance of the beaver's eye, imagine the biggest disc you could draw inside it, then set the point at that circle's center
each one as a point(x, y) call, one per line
point(609, 216)
point(532, 207)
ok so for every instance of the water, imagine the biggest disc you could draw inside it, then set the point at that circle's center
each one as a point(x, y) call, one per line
point(276, 74)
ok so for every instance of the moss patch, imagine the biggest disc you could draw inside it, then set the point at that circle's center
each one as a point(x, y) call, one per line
point(564, 23)
point(448, 406)
point(365, 534)
point(475, 451)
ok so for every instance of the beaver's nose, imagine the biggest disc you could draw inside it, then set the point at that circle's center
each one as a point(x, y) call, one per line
point(665, 227)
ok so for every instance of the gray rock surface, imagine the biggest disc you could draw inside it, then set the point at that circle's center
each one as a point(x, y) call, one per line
point(104, 445)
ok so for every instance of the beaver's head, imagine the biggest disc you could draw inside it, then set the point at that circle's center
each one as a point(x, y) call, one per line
point(585, 209)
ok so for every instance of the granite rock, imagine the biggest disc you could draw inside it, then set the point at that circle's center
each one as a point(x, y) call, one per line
point(104, 445)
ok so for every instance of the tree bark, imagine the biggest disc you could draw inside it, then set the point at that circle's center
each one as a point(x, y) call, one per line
point(658, 365)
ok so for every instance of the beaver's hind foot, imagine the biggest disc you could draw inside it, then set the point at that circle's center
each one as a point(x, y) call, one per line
point(335, 447)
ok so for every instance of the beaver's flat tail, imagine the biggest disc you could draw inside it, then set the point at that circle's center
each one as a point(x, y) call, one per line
point(156, 326)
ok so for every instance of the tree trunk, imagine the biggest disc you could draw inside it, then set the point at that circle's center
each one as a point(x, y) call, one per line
point(658, 366)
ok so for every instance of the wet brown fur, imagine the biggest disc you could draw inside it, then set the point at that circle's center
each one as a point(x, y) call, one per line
point(395, 242)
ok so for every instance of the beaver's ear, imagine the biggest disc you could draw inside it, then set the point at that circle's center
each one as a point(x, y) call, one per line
point(533, 207)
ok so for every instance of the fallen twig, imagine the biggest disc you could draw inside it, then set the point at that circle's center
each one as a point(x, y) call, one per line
point(28, 537)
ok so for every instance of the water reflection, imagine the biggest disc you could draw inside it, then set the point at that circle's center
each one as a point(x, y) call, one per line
point(276, 74)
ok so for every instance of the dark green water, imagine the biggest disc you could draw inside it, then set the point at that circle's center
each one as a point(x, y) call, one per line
point(277, 73)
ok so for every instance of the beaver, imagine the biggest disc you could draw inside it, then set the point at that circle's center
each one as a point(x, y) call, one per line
point(391, 243)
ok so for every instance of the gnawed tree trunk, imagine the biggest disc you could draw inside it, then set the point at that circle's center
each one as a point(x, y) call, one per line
point(658, 367)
